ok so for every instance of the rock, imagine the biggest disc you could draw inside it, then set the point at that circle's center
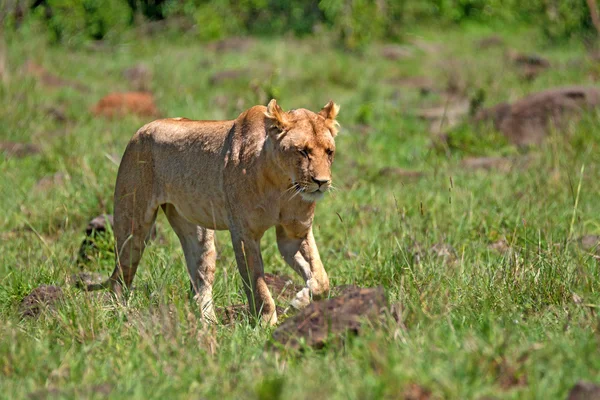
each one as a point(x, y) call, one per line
point(139, 77)
point(49, 79)
point(102, 390)
point(395, 52)
point(529, 65)
point(445, 116)
point(83, 279)
point(584, 391)
point(501, 246)
point(39, 298)
point(528, 120)
point(48, 182)
point(219, 78)
point(489, 42)
point(56, 113)
point(590, 243)
point(422, 83)
point(19, 150)
point(402, 174)
point(97, 226)
point(335, 316)
point(416, 392)
point(237, 44)
point(529, 59)
point(487, 163)
point(443, 250)
point(121, 104)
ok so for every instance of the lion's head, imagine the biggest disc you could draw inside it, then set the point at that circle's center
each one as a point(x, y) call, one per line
point(304, 146)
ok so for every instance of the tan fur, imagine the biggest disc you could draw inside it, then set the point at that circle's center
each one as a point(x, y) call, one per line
point(245, 175)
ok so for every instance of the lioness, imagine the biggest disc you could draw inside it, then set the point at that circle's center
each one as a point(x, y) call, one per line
point(265, 168)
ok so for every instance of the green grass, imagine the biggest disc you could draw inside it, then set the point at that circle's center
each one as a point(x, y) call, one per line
point(475, 324)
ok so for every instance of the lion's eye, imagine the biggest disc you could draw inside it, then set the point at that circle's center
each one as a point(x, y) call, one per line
point(329, 152)
point(304, 152)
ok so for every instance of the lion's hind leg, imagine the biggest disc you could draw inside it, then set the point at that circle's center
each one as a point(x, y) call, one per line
point(200, 256)
point(134, 219)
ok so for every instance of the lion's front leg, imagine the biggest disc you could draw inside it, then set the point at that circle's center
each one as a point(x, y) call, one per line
point(250, 265)
point(300, 251)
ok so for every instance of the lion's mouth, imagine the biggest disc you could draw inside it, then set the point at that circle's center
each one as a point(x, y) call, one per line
point(312, 196)
point(307, 193)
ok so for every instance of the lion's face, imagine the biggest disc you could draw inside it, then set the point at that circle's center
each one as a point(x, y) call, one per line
point(305, 148)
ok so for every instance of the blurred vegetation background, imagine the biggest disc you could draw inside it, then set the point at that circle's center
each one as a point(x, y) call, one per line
point(355, 23)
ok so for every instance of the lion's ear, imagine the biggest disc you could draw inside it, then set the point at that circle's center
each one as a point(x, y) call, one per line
point(277, 116)
point(330, 113)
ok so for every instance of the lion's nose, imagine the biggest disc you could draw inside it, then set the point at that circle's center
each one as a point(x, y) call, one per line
point(321, 181)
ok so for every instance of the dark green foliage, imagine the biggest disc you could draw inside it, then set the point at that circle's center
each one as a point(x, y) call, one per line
point(353, 22)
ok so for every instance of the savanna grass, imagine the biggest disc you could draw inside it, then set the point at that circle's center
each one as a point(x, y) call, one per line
point(474, 321)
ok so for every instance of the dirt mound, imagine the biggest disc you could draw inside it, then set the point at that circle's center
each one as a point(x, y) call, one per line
point(529, 120)
point(121, 104)
point(39, 298)
point(584, 391)
point(335, 316)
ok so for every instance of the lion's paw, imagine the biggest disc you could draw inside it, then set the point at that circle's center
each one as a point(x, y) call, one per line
point(302, 299)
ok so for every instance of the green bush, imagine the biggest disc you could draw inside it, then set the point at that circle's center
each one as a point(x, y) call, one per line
point(354, 22)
